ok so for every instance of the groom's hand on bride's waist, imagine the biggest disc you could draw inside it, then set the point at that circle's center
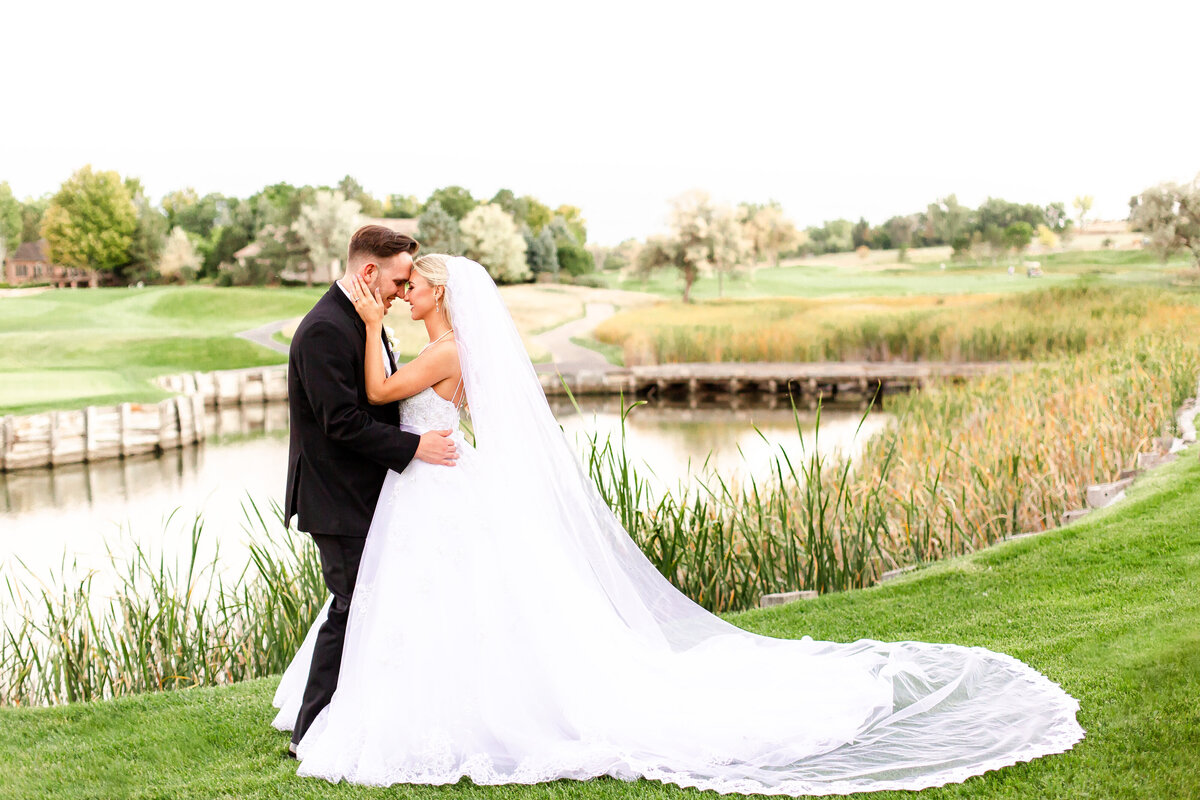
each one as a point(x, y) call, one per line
point(437, 447)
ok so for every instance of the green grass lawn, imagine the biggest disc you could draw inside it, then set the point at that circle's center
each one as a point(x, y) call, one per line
point(1109, 608)
point(69, 348)
point(815, 279)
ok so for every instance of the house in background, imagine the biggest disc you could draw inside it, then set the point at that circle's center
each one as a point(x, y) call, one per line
point(30, 264)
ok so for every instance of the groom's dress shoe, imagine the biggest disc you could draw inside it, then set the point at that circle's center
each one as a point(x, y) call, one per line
point(291, 751)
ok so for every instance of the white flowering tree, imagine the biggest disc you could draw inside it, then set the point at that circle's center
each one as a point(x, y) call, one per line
point(491, 237)
point(769, 231)
point(730, 246)
point(1170, 214)
point(179, 260)
point(325, 226)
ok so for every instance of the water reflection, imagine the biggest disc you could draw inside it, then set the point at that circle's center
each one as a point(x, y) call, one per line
point(77, 512)
point(678, 441)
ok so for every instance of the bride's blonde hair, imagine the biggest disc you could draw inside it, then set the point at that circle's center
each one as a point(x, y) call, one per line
point(432, 267)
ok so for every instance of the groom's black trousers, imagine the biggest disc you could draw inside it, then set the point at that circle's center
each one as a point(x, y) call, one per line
point(340, 556)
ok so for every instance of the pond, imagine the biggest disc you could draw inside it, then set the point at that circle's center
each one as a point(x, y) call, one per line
point(65, 520)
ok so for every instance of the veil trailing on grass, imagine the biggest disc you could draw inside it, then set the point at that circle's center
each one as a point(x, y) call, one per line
point(577, 658)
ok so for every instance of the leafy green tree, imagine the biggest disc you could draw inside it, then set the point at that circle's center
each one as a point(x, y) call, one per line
point(195, 214)
point(353, 191)
point(575, 258)
point(899, 232)
point(279, 204)
point(454, 200)
point(324, 227)
point(993, 237)
point(275, 209)
point(10, 220)
point(91, 221)
point(537, 214)
point(1057, 219)
point(32, 212)
point(439, 232)
point(402, 206)
point(834, 236)
point(571, 254)
point(235, 228)
point(508, 200)
point(1001, 213)
point(561, 232)
point(860, 234)
point(148, 239)
point(525, 210)
point(490, 236)
point(947, 220)
point(1018, 236)
point(573, 217)
point(1170, 214)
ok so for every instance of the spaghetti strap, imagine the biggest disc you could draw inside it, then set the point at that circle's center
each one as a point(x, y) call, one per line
point(459, 403)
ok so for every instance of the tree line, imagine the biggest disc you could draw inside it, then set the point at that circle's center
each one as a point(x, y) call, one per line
point(708, 238)
point(997, 225)
point(99, 220)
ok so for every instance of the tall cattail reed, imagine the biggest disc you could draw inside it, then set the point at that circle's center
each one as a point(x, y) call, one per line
point(1019, 327)
point(166, 625)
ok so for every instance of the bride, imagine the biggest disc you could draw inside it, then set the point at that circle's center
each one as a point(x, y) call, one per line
point(505, 627)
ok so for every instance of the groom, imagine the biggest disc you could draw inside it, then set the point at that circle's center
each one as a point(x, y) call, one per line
point(342, 446)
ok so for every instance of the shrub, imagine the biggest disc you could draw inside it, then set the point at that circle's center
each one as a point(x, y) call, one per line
point(575, 259)
point(592, 279)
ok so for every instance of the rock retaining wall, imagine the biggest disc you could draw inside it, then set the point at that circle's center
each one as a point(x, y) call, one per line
point(97, 433)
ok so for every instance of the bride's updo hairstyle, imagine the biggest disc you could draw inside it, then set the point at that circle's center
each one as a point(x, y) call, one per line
point(432, 267)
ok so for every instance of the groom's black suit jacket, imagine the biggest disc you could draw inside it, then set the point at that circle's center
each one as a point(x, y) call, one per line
point(341, 446)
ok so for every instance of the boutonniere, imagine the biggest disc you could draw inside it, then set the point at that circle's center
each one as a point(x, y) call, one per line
point(390, 335)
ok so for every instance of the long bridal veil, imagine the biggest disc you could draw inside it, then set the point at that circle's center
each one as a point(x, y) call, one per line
point(683, 696)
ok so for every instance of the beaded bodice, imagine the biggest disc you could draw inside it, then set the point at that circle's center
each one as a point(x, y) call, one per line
point(428, 411)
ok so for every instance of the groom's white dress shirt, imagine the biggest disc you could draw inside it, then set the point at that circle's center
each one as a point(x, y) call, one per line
point(387, 362)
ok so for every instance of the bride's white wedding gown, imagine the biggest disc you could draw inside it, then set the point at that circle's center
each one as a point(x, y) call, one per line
point(505, 629)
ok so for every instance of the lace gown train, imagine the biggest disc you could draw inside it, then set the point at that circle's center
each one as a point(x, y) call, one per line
point(509, 634)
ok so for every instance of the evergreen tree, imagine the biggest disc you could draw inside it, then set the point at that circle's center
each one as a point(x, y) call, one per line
point(438, 232)
point(541, 251)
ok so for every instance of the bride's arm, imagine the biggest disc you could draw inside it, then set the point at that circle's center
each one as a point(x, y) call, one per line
point(435, 364)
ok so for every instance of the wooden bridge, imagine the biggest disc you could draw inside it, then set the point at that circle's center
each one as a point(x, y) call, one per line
point(826, 381)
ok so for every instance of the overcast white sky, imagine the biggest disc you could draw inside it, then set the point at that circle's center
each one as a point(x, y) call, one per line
point(834, 109)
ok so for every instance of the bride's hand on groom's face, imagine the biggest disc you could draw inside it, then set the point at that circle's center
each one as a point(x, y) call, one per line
point(368, 304)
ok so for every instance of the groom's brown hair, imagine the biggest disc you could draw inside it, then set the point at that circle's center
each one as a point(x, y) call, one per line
point(380, 242)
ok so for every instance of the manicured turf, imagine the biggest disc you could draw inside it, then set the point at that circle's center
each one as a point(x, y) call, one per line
point(70, 348)
point(819, 278)
point(1109, 608)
